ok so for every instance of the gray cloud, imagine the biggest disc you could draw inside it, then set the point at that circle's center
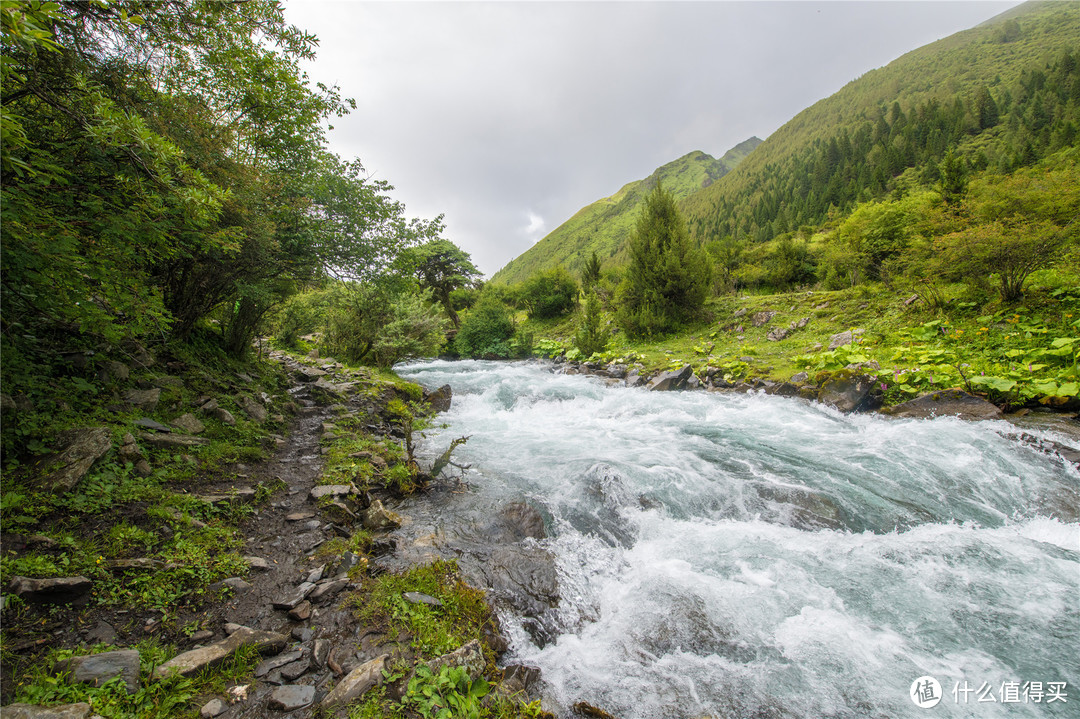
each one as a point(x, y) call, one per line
point(509, 117)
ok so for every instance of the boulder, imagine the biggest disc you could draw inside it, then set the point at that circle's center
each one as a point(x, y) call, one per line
point(846, 391)
point(97, 669)
point(843, 338)
point(189, 424)
point(194, 661)
point(252, 409)
point(356, 682)
point(776, 334)
point(291, 697)
point(945, 403)
point(144, 399)
point(441, 399)
point(79, 449)
point(760, 319)
point(671, 381)
point(377, 517)
point(80, 710)
point(56, 590)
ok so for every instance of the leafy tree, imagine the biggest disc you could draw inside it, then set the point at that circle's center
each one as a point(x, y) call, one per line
point(549, 293)
point(727, 256)
point(486, 330)
point(954, 179)
point(789, 264)
point(667, 278)
point(442, 267)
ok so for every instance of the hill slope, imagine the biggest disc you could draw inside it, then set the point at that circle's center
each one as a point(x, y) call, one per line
point(988, 91)
point(603, 226)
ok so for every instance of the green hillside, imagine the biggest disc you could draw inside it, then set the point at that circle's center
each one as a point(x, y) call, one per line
point(1004, 94)
point(603, 226)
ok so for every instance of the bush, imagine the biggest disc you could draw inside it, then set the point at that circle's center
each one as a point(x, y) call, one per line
point(549, 293)
point(486, 330)
point(375, 324)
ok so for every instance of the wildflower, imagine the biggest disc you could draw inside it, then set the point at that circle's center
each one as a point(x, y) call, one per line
point(884, 386)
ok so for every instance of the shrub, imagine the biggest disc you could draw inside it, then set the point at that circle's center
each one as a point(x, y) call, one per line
point(486, 330)
point(550, 293)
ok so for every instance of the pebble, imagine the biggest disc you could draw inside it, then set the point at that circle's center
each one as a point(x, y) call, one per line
point(212, 708)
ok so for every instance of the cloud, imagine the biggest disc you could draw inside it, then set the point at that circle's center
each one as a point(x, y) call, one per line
point(534, 231)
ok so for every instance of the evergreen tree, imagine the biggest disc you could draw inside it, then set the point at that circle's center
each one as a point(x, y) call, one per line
point(668, 277)
point(591, 336)
point(590, 273)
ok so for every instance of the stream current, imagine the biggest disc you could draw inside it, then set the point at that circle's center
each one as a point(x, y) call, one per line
point(734, 555)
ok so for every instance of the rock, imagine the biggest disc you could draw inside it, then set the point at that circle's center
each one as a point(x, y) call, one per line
point(268, 665)
point(671, 381)
point(293, 598)
point(441, 399)
point(236, 494)
point(212, 708)
point(802, 323)
point(139, 564)
point(96, 669)
point(57, 590)
point(144, 399)
point(331, 490)
point(376, 517)
point(356, 682)
point(634, 379)
point(292, 672)
point(418, 598)
point(168, 381)
point(172, 441)
point(514, 522)
point(143, 468)
point(299, 516)
point(795, 506)
point(147, 423)
point(945, 403)
point(80, 710)
point(760, 319)
point(316, 574)
point(258, 564)
point(309, 374)
point(189, 424)
point(520, 678)
point(196, 660)
point(7, 404)
point(252, 409)
point(843, 338)
point(584, 709)
point(328, 589)
point(223, 415)
point(870, 365)
point(203, 635)
point(238, 585)
point(321, 652)
point(102, 633)
point(301, 612)
point(80, 448)
point(776, 334)
point(799, 378)
point(112, 371)
point(291, 697)
point(846, 391)
point(469, 657)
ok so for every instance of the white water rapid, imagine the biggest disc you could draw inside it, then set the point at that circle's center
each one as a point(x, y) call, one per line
point(732, 555)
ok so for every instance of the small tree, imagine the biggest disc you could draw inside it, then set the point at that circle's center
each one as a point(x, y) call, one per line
point(590, 273)
point(486, 330)
point(442, 267)
point(667, 279)
point(549, 293)
point(591, 336)
point(954, 179)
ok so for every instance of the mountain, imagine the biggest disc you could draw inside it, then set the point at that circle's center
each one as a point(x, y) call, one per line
point(1002, 95)
point(603, 226)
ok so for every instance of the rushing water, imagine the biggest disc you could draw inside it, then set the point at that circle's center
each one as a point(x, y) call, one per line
point(750, 556)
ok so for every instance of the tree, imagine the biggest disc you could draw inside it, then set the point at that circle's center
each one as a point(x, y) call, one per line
point(486, 330)
point(442, 267)
point(1009, 250)
point(591, 335)
point(954, 179)
point(590, 273)
point(549, 293)
point(667, 278)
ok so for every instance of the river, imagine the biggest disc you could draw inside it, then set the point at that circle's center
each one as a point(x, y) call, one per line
point(734, 555)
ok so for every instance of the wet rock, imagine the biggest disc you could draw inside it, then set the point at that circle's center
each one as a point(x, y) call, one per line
point(519, 681)
point(671, 381)
point(846, 391)
point(172, 441)
point(320, 652)
point(441, 399)
point(760, 319)
point(328, 589)
point(584, 709)
point(189, 424)
point(376, 517)
point(795, 506)
point(294, 597)
point(843, 338)
point(212, 708)
point(301, 634)
point(144, 399)
point(419, 598)
point(634, 379)
point(79, 449)
point(356, 682)
point(945, 403)
point(96, 669)
point(292, 697)
point(514, 522)
point(301, 612)
point(292, 672)
point(80, 710)
point(252, 409)
point(268, 665)
point(56, 590)
point(522, 576)
point(196, 660)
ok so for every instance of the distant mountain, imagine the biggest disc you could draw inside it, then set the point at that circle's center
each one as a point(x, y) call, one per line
point(1001, 95)
point(603, 226)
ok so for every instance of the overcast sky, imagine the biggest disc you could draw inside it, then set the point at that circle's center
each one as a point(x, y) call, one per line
point(508, 117)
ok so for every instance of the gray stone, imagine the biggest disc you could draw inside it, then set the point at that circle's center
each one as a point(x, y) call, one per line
point(776, 334)
point(96, 669)
point(236, 494)
point(321, 652)
point(189, 424)
point(80, 448)
point(377, 517)
point(112, 371)
point(331, 490)
point(196, 660)
point(168, 381)
point(799, 377)
point(252, 409)
point(292, 672)
point(309, 374)
point(356, 682)
point(328, 589)
point(172, 441)
point(634, 379)
point(236, 584)
point(802, 323)
point(946, 403)
point(846, 392)
point(441, 399)
point(212, 708)
point(268, 665)
point(207, 405)
point(419, 598)
point(760, 319)
point(670, 381)
point(294, 597)
point(298, 516)
point(80, 710)
point(138, 564)
point(144, 399)
point(56, 590)
point(301, 612)
point(291, 697)
point(739, 312)
point(147, 423)
point(143, 468)
point(843, 338)
point(203, 635)
point(223, 415)
point(258, 564)
point(315, 574)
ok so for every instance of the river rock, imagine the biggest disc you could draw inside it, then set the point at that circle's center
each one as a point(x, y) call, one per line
point(377, 517)
point(846, 392)
point(512, 523)
point(291, 697)
point(144, 399)
point(80, 710)
point(945, 403)
point(56, 590)
point(634, 379)
point(96, 669)
point(795, 506)
point(189, 424)
point(671, 381)
point(356, 682)
point(441, 399)
point(252, 409)
point(196, 660)
point(79, 449)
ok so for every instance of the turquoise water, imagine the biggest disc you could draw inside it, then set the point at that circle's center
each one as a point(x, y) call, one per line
point(751, 556)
